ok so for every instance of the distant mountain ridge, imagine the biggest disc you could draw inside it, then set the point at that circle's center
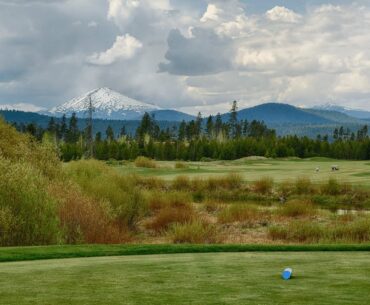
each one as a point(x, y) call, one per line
point(277, 113)
point(356, 113)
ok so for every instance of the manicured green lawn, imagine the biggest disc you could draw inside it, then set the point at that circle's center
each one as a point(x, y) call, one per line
point(251, 170)
point(208, 278)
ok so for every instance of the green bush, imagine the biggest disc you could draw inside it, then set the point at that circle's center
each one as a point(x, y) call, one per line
point(103, 183)
point(28, 215)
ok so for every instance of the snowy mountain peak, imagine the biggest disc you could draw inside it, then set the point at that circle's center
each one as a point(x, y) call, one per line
point(108, 104)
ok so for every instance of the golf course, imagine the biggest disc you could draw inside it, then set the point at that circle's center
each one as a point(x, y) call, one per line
point(188, 278)
point(254, 168)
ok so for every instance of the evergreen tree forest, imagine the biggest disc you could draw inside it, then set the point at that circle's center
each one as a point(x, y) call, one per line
point(201, 139)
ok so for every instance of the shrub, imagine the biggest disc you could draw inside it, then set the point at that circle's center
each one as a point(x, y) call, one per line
point(28, 213)
point(297, 208)
point(145, 162)
point(103, 183)
point(263, 186)
point(84, 220)
point(195, 232)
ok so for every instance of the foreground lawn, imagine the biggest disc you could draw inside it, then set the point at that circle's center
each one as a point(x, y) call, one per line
point(208, 278)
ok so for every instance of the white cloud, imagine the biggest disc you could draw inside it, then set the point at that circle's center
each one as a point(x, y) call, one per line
point(280, 13)
point(186, 53)
point(22, 107)
point(125, 47)
point(212, 13)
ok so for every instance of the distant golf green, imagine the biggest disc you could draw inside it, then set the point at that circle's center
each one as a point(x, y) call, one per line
point(254, 169)
point(211, 278)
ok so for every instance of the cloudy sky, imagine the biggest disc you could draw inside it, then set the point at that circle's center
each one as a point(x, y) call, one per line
point(187, 54)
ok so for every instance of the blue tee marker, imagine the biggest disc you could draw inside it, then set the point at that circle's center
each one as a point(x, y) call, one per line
point(287, 274)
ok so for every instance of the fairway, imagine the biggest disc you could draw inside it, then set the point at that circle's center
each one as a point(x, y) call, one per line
point(251, 170)
point(217, 278)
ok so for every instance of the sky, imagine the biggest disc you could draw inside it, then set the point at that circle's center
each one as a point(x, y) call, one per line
point(193, 55)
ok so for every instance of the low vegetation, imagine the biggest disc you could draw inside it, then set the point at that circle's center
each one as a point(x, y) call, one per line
point(43, 202)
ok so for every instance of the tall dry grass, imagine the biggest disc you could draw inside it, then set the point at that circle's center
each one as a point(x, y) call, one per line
point(195, 232)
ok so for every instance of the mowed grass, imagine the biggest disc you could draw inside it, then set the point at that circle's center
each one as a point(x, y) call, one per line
point(252, 170)
point(209, 278)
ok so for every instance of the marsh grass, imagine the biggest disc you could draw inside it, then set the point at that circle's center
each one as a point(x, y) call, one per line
point(247, 214)
point(195, 232)
point(182, 183)
point(304, 186)
point(297, 208)
point(263, 186)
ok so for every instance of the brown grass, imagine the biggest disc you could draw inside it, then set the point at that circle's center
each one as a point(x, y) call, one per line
point(182, 183)
point(195, 232)
point(166, 217)
point(263, 186)
point(247, 214)
point(298, 208)
point(84, 220)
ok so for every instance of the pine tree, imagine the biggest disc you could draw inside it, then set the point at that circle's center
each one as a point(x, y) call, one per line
point(233, 121)
point(110, 134)
point(210, 127)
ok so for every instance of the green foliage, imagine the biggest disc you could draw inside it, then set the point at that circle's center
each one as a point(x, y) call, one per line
point(28, 214)
point(103, 183)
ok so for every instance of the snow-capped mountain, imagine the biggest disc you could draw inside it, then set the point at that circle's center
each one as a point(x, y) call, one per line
point(356, 113)
point(22, 107)
point(108, 104)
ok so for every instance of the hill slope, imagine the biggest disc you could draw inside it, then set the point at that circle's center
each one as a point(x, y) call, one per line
point(275, 113)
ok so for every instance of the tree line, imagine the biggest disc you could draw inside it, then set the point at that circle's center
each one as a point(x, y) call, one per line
point(199, 139)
